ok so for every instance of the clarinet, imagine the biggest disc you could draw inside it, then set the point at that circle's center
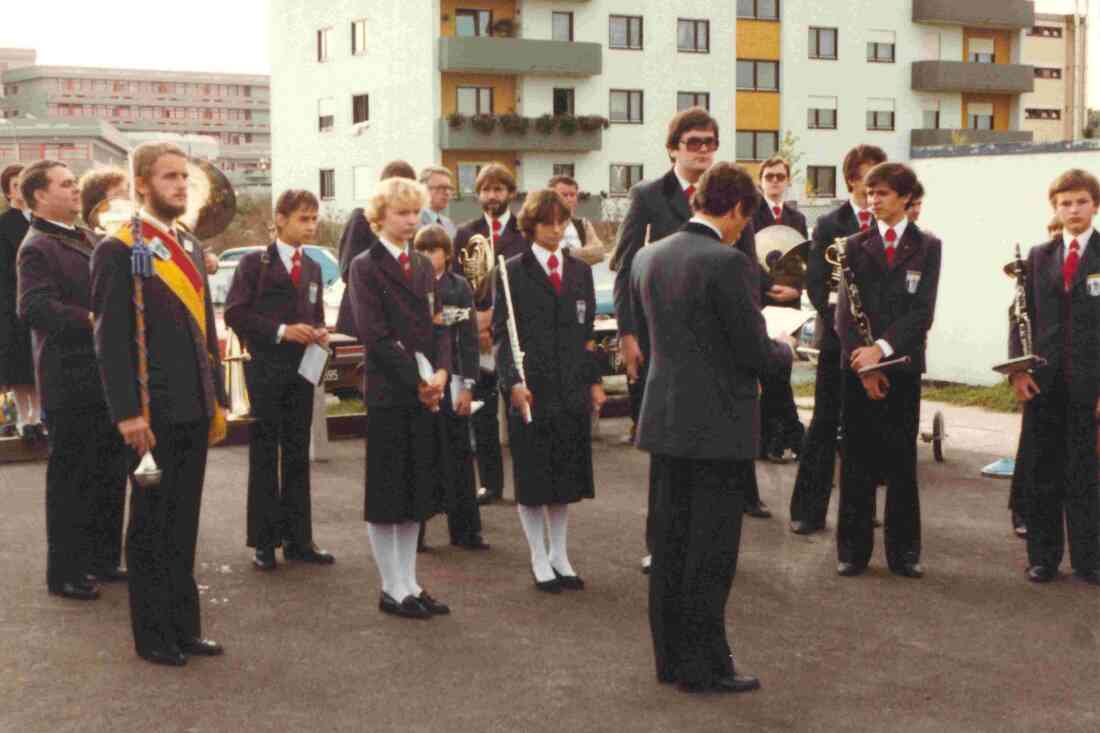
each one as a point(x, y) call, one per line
point(1018, 271)
point(855, 306)
point(513, 335)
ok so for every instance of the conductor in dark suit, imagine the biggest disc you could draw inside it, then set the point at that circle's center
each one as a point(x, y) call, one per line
point(186, 402)
point(896, 268)
point(691, 298)
point(86, 475)
point(275, 305)
point(817, 462)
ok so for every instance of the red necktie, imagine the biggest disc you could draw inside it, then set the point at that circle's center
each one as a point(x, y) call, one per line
point(1069, 267)
point(689, 192)
point(555, 276)
point(864, 220)
point(891, 237)
point(405, 267)
point(496, 231)
point(778, 213)
point(296, 267)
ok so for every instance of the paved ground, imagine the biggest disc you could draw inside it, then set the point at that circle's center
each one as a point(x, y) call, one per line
point(972, 647)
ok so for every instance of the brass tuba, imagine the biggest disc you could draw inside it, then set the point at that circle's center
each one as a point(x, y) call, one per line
point(476, 260)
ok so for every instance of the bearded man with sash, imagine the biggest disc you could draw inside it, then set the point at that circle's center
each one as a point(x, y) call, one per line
point(186, 399)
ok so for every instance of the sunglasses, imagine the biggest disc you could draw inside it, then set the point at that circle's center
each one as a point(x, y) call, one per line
point(696, 144)
point(775, 177)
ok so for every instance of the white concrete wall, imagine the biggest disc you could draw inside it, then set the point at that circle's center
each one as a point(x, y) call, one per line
point(399, 71)
point(979, 225)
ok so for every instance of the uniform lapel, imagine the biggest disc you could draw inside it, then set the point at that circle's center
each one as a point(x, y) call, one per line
point(908, 246)
point(392, 269)
point(875, 248)
point(677, 200)
point(276, 268)
point(1053, 267)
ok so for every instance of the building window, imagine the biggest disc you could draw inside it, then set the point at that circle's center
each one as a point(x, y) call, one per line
point(981, 58)
point(1042, 114)
point(822, 119)
point(758, 75)
point(475, 101)
point(821, 181)
point(358, 37)
point(880, 53)
point(693, 36)
point(564, 102)
point(686, 100)
point(1045, 31)
point(1047, 73)
point(473, 22)
point(823, 43)
point(880, 120)
point(328, 184)
point(467, 177)
point(360, 108)
point(626, 106)
point(561, 26)
point(981, 122)
point(930, 119)
point(623, 177)
point(758, 9)
point(565, 169)
point(756, 144)
point(323, 37)
point(626, 32)
point(326, 119)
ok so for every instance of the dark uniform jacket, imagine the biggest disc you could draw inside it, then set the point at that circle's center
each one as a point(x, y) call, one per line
point(393, 319)
point(553, 332)
point(357, 238)
point(1046, 300)
point(840, 222)
point(791, 217)
point(455, 291)
point(185, 374)
point(899, 301)
point(707, 347)
point(55, 302)
point(15, 346)
point(509, 243)
point(257, 319)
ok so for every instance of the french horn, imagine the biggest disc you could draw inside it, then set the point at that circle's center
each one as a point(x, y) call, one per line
point(476, 260)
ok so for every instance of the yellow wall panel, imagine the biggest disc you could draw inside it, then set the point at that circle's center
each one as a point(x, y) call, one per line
point(504, 90)
point(757, 111)
point(758, 39)
point(500, 8)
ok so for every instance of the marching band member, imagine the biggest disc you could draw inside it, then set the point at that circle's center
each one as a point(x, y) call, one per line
point(554, 304)
point(275, 305)
point(817, 463)
point(1062, 397)
point(463, 513)
point(394, 299)
point(187, 399)
point(896, 268)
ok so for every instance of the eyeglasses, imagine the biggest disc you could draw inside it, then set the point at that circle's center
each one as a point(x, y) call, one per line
point(775, 177)
point(696, 144)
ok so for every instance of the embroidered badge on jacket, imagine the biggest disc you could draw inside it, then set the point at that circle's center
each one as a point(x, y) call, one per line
point(912, 281)
point(582, 311)
point(1094, 285)
point(312, 293)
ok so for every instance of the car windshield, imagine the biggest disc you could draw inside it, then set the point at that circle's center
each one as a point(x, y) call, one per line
point(323, 256)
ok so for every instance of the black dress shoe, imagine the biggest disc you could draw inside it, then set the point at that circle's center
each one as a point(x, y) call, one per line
point(759, 510)
point(312, 554)
point(110, 575)
point(486, 497)
point(434, 607)
point(264, 558)
point(1089, 576)
point(77, 591)
point(547, 586)
point(476, 542)
point(569, 582)
point(1019, 527)
point(1041, 574)
point(800, 527)
point(736, 683)
point(849, 569)
point(407, 608)
point(910, 570)
point(202, 648)
point(168, 657)
point(646, 562)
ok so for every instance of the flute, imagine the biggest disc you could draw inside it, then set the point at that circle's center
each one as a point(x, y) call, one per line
point(513, 335)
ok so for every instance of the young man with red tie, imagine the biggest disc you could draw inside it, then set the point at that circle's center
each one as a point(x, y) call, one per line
point(896, 268)
point(1062, 397)
point(817, 462)
point(275, 305)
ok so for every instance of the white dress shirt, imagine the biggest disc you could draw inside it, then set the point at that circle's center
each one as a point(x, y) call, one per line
point(503, 221)
point(899, 229)
point(707, 224)
point(1082, 242)
point(856, 210)
point(394, 249)
point(543, 256)
point(61, 224)
point(571, 238)
point(772, 206)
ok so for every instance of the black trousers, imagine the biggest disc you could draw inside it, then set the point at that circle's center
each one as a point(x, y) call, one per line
point(813, 485)
point(486, 426)
point(161, 537)
point(1024, 471)
point(880, 438)
point(698, 533)
point(463, 512)
point(85, 490)
point(279, 504)
point(1065, 482)
point(779, 422)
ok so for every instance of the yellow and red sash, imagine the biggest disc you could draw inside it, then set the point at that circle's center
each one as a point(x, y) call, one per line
point(183, 279)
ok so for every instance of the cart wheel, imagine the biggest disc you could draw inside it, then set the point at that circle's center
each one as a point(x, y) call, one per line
point(937, 437)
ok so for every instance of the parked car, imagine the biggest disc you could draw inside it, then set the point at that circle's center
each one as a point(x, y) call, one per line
point(323, 256)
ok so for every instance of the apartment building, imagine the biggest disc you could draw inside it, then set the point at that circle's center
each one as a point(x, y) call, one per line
point(1057, 46)
point(584, 87)
point(232, 109)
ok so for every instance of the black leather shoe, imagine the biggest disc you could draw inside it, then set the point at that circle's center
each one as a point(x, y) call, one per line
point(736, 683)
point(569, 582)
point(110, 575)
point(168, 657)
point(759, 510)
point(486, 497)
point(475, 542)
point(849, 569)
point(434, 607)
point(312, 554)
point(264, 558)
point(547, 586)
point(646, 562)
point(76, 591)
point(1089, 576)
point(202, 648)
point(910, 570)
point(407, 608)
point(1040, 574)
point(1019, 527)
point(799, 527)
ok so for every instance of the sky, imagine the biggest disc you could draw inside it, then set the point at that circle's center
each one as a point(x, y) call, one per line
point(231, 35)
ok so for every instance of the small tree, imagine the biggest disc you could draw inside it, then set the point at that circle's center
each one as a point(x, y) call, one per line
point(788, 151)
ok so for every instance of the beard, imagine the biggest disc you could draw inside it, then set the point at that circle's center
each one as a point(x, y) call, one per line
point(163, 209)
point(495, 209)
